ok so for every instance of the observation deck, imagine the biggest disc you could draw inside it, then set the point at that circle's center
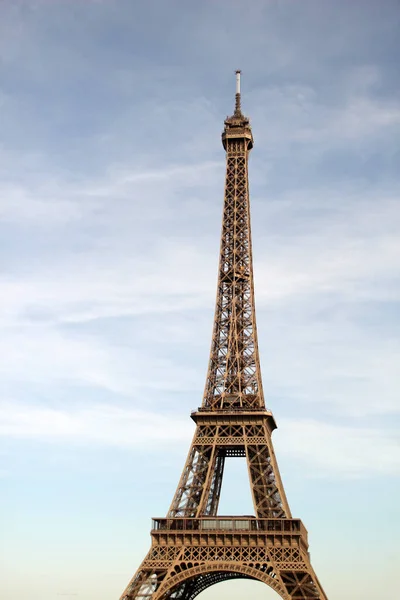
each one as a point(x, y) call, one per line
point(228, 530)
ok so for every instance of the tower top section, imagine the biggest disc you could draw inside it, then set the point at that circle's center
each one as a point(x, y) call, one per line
point(237, 126)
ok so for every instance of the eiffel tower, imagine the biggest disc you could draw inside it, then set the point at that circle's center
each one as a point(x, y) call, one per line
point(193, 547)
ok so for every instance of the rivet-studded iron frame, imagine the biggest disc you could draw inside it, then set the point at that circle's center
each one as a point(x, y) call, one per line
point(192, 548)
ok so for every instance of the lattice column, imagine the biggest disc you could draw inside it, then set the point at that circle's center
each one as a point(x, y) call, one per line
point(266, 485)
point(234, 377)
point(196, 477)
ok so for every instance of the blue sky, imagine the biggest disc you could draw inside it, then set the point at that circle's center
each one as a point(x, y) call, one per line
point(111, 189)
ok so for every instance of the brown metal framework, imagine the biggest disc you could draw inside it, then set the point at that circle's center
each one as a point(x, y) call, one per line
point(193, 548)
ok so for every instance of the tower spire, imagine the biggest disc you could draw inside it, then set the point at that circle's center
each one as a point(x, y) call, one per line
point(238, 110)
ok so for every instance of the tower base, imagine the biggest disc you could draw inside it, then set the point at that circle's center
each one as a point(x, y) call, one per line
point(189, 555)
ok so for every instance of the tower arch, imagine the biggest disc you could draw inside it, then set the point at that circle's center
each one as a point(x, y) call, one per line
point(191, 582)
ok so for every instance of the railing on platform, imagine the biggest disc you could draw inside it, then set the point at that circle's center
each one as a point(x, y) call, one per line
point(235, 524)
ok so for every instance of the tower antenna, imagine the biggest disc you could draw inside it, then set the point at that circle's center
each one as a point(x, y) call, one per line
point(238, 109)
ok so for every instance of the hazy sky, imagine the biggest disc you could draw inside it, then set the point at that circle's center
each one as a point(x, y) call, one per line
point(111, 190)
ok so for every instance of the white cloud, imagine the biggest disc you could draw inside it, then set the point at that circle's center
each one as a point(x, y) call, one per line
point(356, 266)
point(327, 265)
point(133, 241)
point(327, 449)
point(45, 201)
point(44, 206)
point(324, 449)
point(48, 356)
point(289, 114)
point(102, 424)
point(328, 364)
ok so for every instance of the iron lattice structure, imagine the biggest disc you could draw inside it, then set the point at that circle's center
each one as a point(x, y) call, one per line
point(193, 548)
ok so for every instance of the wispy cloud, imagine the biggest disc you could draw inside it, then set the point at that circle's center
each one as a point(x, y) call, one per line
point(110, 425)
point(48, 201)
point(325, 450)
point(311, 283)
point(321, 257)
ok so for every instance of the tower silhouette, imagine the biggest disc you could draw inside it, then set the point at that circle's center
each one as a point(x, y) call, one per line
point(193, 548)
